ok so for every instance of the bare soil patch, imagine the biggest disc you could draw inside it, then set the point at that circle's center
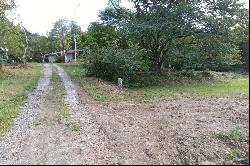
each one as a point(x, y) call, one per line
point(179, 130)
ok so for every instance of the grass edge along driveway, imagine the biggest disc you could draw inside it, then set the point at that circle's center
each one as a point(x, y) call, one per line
point(15, 84)
point(227, 84)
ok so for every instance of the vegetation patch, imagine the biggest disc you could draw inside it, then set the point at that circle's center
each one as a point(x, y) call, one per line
point(74, 126)
point(232, 135)
point(15, 84)
point(236, 153)
point(148, 87)
point(56, 98)
point(64, 113)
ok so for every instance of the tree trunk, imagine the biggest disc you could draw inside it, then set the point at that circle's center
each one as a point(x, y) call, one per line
point(159, 60)
point(24, 60)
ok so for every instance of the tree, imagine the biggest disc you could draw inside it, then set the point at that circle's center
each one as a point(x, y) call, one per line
point(158, 24)
point(38, 46)
point(5, 5)
point(62, 35)
point(75, 33)
point(115, 17)
point(99, 36)
point(13, 38)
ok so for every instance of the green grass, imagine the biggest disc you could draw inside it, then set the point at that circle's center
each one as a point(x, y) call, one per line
point(148, 88)
point(15, 84)
point(236, 153)
point(56, 98)
point(76, 71)
point(64, 113)
point(232, 135)
point(74, 126)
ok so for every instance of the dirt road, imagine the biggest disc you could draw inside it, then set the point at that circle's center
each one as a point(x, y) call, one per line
point(60, 124)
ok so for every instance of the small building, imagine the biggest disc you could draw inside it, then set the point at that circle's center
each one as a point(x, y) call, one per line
point(51, 58)
point(70, 55)
point(3, 54)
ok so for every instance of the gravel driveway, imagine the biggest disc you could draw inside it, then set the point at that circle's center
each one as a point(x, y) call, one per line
point(11, 143)
point(54, 142)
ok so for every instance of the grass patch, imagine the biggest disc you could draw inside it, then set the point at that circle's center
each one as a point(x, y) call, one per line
point(74, 126)
point(149, 87)
point(232, 135)
point(15, 84)
point(236, 153)
point(76, 71)
point(56, 98)
point(64, 113)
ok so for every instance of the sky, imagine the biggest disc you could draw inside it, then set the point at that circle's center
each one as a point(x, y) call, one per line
point(38, 16)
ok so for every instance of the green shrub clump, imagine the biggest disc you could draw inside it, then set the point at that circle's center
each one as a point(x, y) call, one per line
point(113, 63)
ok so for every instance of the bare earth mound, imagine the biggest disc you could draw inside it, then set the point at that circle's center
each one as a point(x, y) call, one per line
point(175, 131)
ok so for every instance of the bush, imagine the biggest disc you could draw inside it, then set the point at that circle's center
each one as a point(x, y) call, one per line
point(113, 63)
point(60, 59)
point(187, 73)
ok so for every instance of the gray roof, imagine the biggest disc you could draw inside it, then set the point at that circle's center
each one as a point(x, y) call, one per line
point(71, 51)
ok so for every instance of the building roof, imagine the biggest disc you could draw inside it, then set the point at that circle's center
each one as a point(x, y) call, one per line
point(71, 51)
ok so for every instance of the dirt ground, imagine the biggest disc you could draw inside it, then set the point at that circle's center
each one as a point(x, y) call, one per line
point(179, 130)
point(174, 131)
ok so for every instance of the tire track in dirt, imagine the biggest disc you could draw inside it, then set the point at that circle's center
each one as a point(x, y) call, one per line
point(100, 149)
point(53, 140)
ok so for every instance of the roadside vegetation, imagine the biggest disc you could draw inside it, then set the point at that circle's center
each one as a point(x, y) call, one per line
point(234, 154)
point(16, 83)
point(234, 137)
point(147, 88)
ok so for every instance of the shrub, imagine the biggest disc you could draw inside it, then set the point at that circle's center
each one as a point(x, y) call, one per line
point(113, 62)
point(59, 59)
point(187, 73)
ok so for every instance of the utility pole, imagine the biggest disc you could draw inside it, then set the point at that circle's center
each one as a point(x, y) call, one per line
point(77, 5)
point(62, 45)
point(75, 46)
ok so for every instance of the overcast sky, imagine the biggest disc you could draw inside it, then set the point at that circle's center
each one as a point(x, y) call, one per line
point(38, 16)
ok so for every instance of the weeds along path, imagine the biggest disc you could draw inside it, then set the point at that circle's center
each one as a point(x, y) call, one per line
point(11, 143)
